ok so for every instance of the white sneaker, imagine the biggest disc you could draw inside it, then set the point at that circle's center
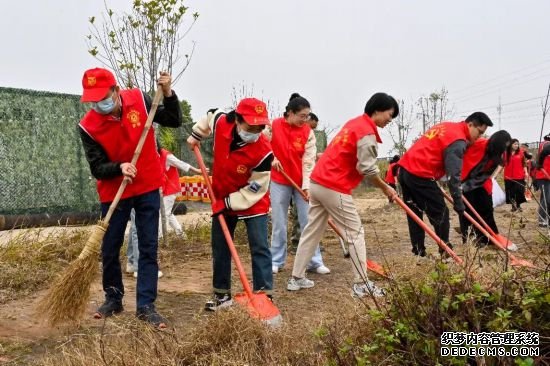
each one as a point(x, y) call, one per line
point(361, 290)
point(182, 235)
point(274, 269)
point(130, 268)
point(294, 284)
point(322, 270)
point(160, 274)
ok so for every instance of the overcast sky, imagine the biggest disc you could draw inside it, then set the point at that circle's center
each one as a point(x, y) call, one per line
point(334, 53)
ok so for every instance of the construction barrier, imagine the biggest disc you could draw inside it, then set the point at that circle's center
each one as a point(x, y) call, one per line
point(204, 196)
point(182, 196)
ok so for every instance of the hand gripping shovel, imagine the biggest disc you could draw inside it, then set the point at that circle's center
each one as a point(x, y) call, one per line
point(68, 296)
point(514, 261)
point(371, 265)
point(257, 304)
point(429, 231)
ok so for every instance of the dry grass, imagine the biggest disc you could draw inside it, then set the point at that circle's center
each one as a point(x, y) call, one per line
point(226, 338)
point(30, 259)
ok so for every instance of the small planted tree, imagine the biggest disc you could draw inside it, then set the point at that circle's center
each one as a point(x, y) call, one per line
point(434, 108)
point(401, 128)
point(138, 44)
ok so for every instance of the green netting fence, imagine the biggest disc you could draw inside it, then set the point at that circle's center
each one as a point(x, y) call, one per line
point(42, 164)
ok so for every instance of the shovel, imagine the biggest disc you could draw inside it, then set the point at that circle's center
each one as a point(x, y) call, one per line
point(258, 305)
point(501, 238)
point(371, 265)
point(514, 261)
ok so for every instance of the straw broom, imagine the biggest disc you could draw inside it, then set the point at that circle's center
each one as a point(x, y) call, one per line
point(67, 298)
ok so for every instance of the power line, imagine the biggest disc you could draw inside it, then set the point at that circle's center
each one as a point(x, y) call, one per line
point(501, 76)
point(519, 77)
point(503, 104)
point(495, 91)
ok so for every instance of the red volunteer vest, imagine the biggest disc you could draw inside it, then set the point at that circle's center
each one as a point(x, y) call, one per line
point(288, 143)
point(171, 177)
point(514, 167)
point(390, 178)
point(337, 167)
point(545, 164)
point(231, 170)
point(472, 157)
point(119, 138)
point(425, 158)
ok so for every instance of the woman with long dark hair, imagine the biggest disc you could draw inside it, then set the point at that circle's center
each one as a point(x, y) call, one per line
point(481, 159)
point(515, 176)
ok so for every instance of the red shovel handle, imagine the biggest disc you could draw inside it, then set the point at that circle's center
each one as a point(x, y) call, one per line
point(491, 236)
point(545, 173)
point(430, 232)
point(223, 224)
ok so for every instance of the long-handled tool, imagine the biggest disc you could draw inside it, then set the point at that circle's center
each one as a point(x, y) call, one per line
point(501, 238)
point(258, 304)
point(514, 261)
point(371, 265)
point(68, 296)
point(430, 232)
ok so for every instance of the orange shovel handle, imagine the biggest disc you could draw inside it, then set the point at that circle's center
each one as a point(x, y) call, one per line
point(223, 224)
point(513, 260)
point(429, 231)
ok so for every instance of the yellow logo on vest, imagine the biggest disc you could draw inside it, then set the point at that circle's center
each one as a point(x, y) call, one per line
point(241, 169)
point(133, 117)
point(435, 132)
point(342, 138)
point(91, 80)
point(298, 144)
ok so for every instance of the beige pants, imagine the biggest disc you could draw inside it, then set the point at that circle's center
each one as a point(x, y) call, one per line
point(325, 203)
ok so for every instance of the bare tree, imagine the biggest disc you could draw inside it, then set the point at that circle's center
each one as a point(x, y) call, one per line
point(247, 91)
point(137, 45)
point(434, 108)
point(401, 128)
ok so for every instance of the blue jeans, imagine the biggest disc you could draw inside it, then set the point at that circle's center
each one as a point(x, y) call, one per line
point(132, 252)
point(147, 217)
point(256, 229)
point(280, 201)
point(544, 186)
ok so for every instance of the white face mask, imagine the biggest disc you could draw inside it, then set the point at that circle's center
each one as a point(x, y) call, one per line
point(249, 137)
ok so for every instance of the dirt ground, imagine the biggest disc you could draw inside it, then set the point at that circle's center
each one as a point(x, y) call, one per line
point(187, 276)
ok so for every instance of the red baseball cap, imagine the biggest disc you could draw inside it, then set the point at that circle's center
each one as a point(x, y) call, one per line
point(96, 83)
point(253, 111)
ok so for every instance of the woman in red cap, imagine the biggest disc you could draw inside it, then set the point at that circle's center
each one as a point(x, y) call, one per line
point(241, 174)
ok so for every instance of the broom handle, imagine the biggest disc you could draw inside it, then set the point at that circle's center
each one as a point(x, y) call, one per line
point(223, 224)
point(137, 152)
point(303, 194)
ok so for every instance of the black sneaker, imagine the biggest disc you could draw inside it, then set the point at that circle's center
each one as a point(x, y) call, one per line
point(218, 301)
point(109, 308)
point(149, 314)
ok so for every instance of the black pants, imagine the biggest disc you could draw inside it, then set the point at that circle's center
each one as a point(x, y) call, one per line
point(424, 195)
point(515, 192)
point(483, 204)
